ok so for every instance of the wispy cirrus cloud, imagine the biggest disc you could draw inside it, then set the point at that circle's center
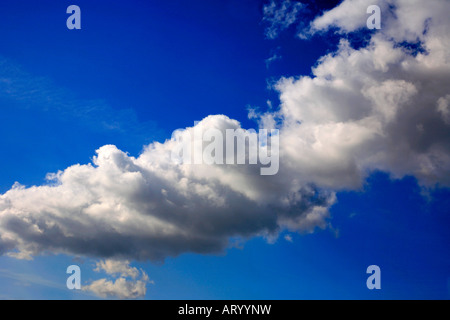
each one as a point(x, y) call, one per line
point(25, 279)
point(279, 15)
point(275, 55)
point(28, 91)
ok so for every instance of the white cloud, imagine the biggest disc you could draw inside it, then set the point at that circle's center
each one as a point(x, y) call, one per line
point(150, 207)
point(117, 267)
point(120, 288)
point(348, 16)
point(374, 107)
point(129, 282)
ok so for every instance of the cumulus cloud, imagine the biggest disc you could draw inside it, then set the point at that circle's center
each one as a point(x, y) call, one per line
point(348, 16)
point(383, 106)
point(129, 282)
point(117, 267)
point(150, 207)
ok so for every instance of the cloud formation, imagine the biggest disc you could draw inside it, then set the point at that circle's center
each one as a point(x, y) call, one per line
point(150, 207)
point(383, 106)
point(279, 15)
point(129, 282)
point(379, 107)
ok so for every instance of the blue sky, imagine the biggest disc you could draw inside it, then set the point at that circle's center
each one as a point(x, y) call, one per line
point(138, 70)
point(194, 60)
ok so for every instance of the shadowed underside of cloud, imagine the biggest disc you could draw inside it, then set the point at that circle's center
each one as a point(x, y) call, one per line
point(379, 107)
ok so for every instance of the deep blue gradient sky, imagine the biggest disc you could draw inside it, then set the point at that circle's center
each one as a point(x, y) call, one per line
point(194, 59)
point(136, 71)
